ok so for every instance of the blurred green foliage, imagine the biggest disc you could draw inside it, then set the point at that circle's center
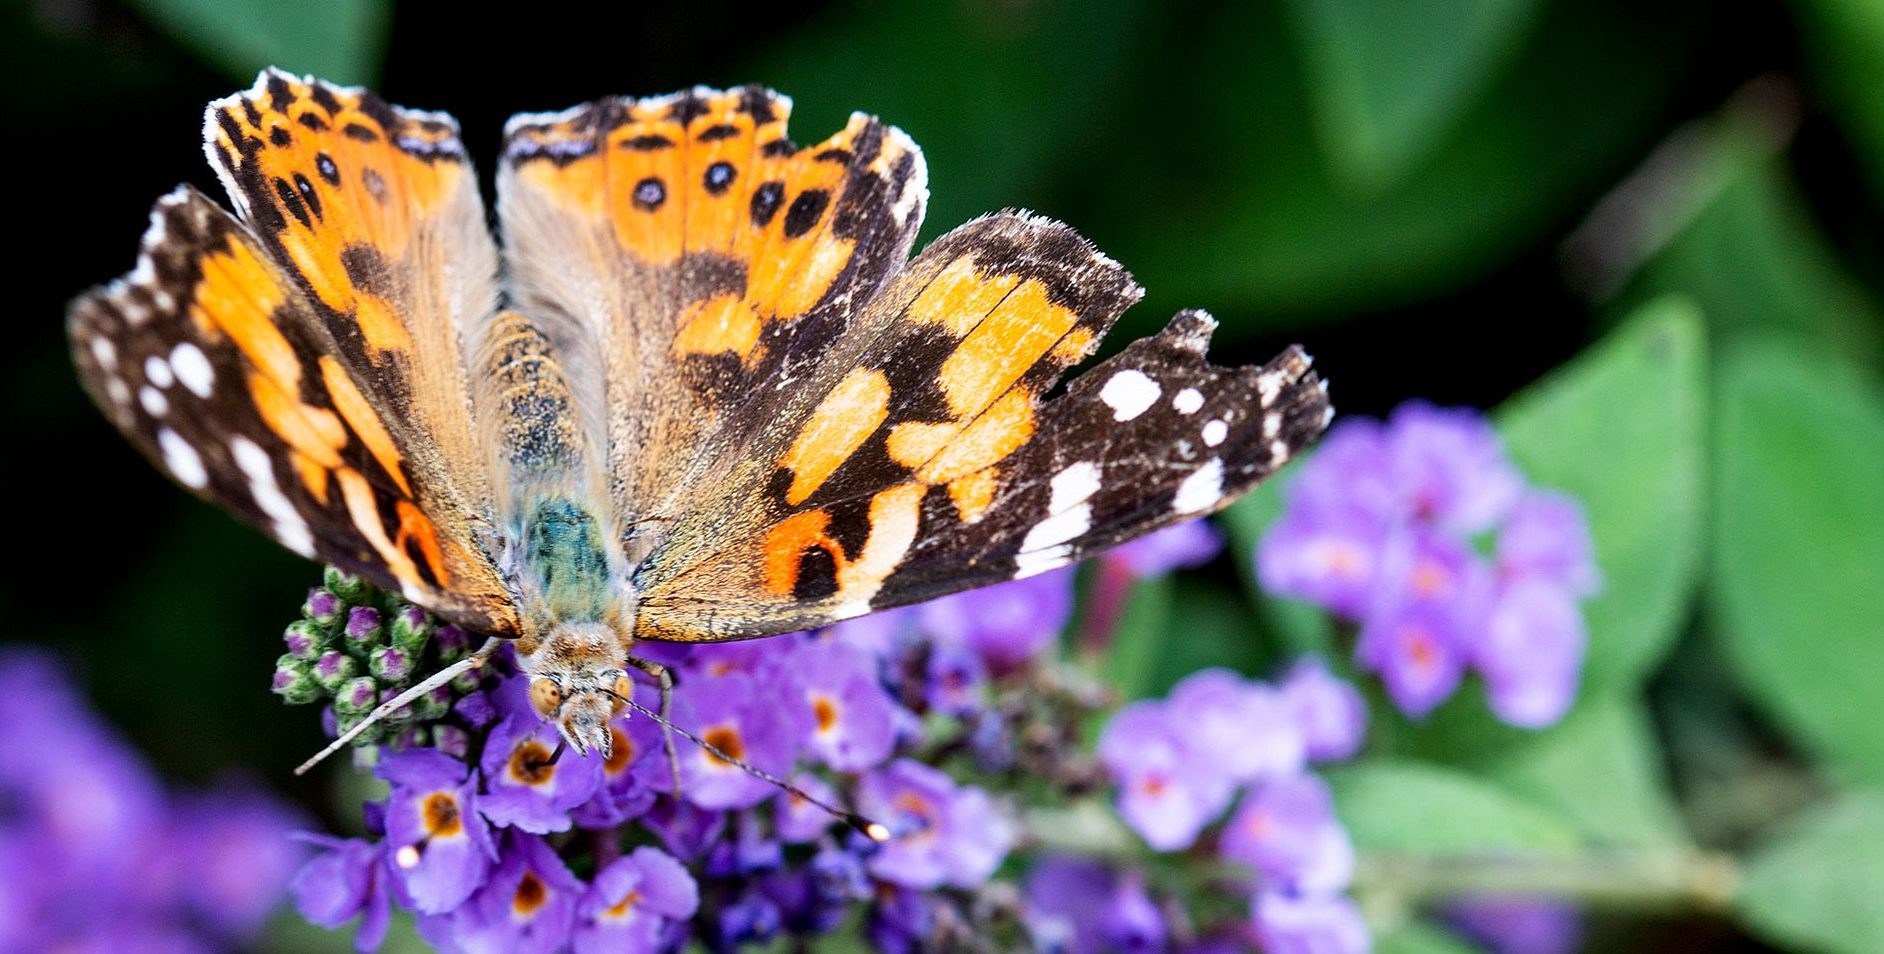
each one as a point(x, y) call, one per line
point(1668, 215)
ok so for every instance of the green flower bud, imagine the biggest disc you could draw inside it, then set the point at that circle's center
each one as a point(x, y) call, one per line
point(345, 585)
point(294, 680)
point(335, 668)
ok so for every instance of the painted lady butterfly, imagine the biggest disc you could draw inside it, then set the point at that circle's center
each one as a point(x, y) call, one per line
point(700, 392)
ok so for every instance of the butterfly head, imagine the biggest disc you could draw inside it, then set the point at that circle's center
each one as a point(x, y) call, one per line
point(578, 683)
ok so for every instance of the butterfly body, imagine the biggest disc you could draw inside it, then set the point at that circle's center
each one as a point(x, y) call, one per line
point(701, 392)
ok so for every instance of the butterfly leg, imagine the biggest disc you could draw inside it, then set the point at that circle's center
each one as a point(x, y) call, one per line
point(665, 677)
point(400, 701)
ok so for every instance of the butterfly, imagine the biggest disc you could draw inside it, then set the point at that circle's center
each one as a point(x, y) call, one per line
point(699, 391)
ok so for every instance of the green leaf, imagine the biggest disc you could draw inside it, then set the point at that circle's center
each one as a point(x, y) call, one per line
point(1412, 807)
point(1816, 883)
point(340, 40)
point(1844, 43)
point(1390, 80)
point(1724, 223)
point(1419, 937)
point(1798, 585)
point(1601, 769)
point(1621, 429)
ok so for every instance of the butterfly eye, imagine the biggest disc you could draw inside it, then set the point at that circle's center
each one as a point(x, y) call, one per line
point(624, 689)
point(545, 696)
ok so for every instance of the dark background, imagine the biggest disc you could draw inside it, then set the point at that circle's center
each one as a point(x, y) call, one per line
point(1271, 161)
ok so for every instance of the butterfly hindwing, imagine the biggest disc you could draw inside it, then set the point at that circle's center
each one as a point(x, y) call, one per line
point(922, 457)
point(213, 361)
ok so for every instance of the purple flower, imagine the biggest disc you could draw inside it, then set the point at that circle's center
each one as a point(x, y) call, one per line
point(957, 679)
point(687, 830)
point(633, 902)
point(849, 714)
point(941, 833)
point(1076, 906)
point(528, 904)
point(1006, 624)
point(1450, 467)
point(1244, 729)
point(1286, 829)
point(1548, 537)
point(1330, 557)
point(744, 718)
point(1383, 528)
point(440, 842)
point(241, 852)
point(1414, 651)
point(901, 922)
point(1519, 925)
point(1179, 546)
point(347, 879)
point(1166, 794)
point(798, 821)
point(1330, 711)
point(527, 784)
point(1311, 924)
point(1532, 653)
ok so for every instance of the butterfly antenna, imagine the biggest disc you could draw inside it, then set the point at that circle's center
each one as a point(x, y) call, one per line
point(402, 700)
point(875, 831)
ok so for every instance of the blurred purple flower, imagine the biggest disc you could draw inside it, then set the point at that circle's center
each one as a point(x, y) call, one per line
point(797, 821)
point(901, 922)
point(1166, 793)
point(1329, 711)
point(527, 784)
point(1518, 925)
point(633, 902)
point(1242, 728)
point(1286, 829)
point(1382, 528)
point(441, 845)
point(1065, 900)
point(1006, 624)
point(957, 679)
point(1547, 536)
point(96, 855)
point(1311, 924)
point(941, 833)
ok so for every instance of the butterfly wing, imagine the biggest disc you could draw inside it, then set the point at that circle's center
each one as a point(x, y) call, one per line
point(923, 455)
point(685, 256)
point(302, 369)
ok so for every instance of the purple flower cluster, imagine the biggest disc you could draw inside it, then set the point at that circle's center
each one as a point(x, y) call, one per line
point(490, 833)
point(96, 855)
point(1422, 533)
point(1180, 763)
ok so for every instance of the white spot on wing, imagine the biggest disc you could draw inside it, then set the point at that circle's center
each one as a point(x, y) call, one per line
point(117, 391)
point(1201, 489)
point(182, 459)
point(153, 400)
point(289, 528)
point(157, 371)
point(1188, 401)
point(1068, 515)
point(192, 368)
point(1129, 393)
point(1215, 432)
point(106, 353)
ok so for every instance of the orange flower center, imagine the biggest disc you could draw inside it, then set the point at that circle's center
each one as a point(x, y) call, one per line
point(440, 812)
point(726, 739)
point(530, 763)
point(530, 895)
point(620, 753)
point(826, 711)
point(625, 905)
